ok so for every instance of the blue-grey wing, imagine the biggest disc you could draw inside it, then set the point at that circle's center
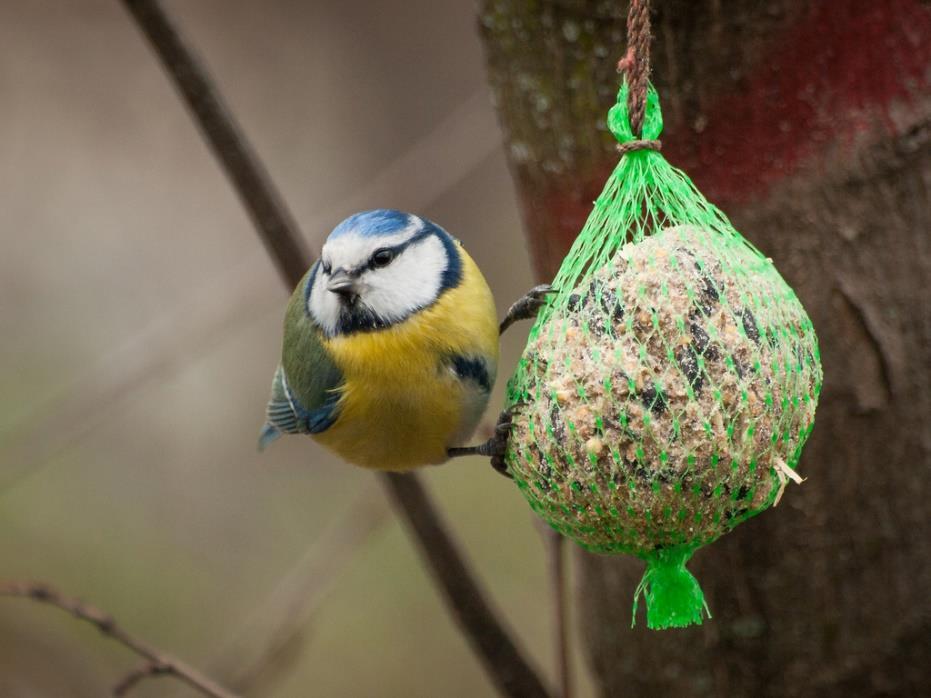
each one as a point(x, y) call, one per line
point(305, 390)
point(286, 415)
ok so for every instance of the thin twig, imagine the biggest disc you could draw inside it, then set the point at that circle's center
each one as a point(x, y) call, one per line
point(105, 623)
point(485, 632)
point(556, 557)
point(147, 670)
point(502, 659)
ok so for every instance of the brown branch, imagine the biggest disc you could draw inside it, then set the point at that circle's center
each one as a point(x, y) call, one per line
point(485, 632)
point(163, 663)
point(556, 556)
point(138, 675)
point(502, 659)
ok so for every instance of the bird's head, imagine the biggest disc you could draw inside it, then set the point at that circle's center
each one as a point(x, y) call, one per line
point(378, 268)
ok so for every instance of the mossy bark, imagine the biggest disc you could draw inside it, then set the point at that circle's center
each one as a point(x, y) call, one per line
point(810, 125)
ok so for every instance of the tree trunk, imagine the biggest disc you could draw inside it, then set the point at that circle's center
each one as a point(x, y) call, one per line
point(809, 125)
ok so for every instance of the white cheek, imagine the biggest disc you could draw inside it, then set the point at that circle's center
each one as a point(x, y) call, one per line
point(409, 283)
point(323, 306)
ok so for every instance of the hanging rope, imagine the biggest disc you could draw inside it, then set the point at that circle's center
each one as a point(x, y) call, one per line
point(636, 68)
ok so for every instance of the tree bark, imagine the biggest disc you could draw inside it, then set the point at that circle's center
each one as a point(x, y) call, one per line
point(809, 125)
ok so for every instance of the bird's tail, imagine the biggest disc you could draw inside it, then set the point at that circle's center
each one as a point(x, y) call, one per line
point(269, 434)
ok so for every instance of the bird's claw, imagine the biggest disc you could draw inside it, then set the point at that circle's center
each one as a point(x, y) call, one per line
point(527, 306)
point(495, 448)
point(498, 444)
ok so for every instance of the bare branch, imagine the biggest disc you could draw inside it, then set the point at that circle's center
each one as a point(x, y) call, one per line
point(161, 662)
point(137, 675)
point(502, 659)
point(556, 557)
point(485, 632)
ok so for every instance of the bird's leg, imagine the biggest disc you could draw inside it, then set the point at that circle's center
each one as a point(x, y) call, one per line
point(494, 448)
point(526, 307)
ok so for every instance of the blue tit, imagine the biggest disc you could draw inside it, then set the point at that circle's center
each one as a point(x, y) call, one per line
point(390, 345)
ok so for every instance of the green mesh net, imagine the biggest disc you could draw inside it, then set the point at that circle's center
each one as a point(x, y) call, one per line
point(668, 386)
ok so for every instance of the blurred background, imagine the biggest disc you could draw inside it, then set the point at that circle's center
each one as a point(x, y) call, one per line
point(140, 322)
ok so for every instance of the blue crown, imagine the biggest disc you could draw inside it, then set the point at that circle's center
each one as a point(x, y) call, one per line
point(381, 221)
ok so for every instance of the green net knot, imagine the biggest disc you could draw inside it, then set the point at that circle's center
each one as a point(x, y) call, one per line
point(619, 119)
point(673, 597)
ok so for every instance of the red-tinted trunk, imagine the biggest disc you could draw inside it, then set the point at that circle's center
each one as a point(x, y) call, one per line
point(809, 124)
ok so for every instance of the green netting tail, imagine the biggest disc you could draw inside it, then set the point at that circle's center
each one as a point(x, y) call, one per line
point(673, 597)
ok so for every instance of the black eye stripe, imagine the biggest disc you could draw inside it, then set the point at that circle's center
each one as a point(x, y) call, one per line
point(394, 250)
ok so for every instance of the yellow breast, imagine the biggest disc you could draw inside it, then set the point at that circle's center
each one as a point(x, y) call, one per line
point(401, 404)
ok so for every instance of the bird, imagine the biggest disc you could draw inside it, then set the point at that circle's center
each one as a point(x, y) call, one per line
point(390, 347)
